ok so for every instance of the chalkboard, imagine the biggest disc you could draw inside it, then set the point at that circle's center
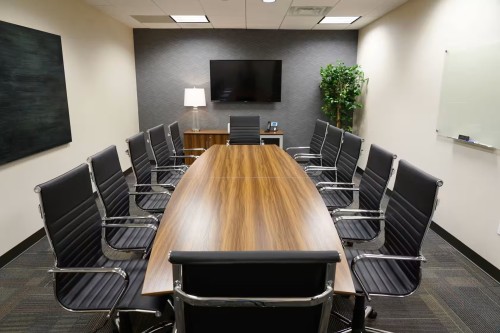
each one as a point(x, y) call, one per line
point(470, 95)
point(34, 113)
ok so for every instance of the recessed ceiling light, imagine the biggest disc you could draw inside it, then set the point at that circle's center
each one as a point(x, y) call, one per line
point(268, 1)
point(339, 19)
point(189, 18)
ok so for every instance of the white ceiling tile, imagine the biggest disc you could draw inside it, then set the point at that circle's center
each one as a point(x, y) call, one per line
point(224, 7)
point(311, 3)
point(195, 25)
point(180, 7)
point(386, 7)
point(355, 7)
point(161, 25)
point(117, 14)
point(299, 22)
point(262, 15)
point(228, 22)
point(137, 7)
point(98, 2)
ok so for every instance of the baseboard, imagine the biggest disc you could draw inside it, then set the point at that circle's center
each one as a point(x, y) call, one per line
point(21, 247)
point(470, 254)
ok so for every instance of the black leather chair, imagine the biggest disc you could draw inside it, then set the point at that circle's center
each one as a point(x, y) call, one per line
point(395, 268)
point(244, 130)
point(178, 146)
point(313, 156)
point(85, 279)
point(371, 191)
point(344, 174)
point(113, 189)
point(168, 171)
point(141, 166)
point(269, 291)
point(326, 171)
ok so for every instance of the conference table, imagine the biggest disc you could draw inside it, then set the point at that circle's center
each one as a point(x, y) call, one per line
point(243, 198)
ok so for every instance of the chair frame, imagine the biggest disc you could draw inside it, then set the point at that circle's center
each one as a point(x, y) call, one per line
point(180, 168)
point(302, 156)
point(181, 297)
point(177, 154)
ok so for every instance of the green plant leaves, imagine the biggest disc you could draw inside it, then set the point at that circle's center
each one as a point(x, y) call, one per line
point(340, 87)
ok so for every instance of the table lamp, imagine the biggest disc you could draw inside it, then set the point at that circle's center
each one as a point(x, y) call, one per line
point(195, 97)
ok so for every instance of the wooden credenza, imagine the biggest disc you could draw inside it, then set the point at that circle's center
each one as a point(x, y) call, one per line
point(207, 138)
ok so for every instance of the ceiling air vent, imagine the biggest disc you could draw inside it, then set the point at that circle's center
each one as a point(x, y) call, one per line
point(308, 11)
point(153, 18)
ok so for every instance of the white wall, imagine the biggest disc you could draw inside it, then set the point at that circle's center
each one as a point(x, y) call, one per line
point(403, 56)
point(99, 66)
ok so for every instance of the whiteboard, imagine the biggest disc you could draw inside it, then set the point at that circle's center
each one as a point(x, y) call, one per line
point(470, 95)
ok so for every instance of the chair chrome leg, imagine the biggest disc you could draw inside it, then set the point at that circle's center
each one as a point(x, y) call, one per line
point(375, 330)
point(159, 326)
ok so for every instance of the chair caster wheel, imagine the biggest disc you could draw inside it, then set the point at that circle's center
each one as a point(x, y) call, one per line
point(373, 314)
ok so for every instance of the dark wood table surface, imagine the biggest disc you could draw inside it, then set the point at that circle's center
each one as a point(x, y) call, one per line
point(243, 198)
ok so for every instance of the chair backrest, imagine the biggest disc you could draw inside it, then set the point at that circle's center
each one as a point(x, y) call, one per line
point(247, 277)
point(159, 146)
point(140, 161)
point(408, 215)
point(244, 130)
point(348, 157)
point(375, 178)
point(110, 182)
point(175, 137)
point(318, 137)
point(331, 149)
point(72, 222)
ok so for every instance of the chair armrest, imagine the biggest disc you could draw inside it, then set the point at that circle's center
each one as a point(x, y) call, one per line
point(319, 168)
point(290, 148)
point(307, 156)
point(149, 193)
point(181, 168)
point(131, 217)
point(321, 184)
point(162, 184)
point(100, 270)
point(355, 211)
point(370, 256)
point(185, 156)
point(357, 217)
point(330, 189)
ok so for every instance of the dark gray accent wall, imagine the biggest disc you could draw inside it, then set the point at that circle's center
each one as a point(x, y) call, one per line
point(167, 61)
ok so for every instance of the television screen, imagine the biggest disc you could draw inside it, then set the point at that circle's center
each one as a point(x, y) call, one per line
point(245, 80)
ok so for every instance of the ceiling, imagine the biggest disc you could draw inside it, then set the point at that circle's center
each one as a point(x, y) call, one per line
point(245, 14)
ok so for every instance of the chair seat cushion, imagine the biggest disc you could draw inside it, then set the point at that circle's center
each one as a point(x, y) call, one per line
point(337, 199)
point(358, 229)
point(153, 203)
point(318, 176)
point(380, 276)
point(130, 238)
point(168, 177)
point(98, 291)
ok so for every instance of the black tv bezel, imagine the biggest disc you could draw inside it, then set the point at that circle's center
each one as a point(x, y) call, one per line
point(252, 60)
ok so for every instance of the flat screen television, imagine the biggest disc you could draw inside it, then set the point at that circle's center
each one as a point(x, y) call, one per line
point(245, 80)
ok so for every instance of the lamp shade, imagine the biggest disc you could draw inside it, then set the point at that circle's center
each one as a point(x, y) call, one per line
point(194, 97)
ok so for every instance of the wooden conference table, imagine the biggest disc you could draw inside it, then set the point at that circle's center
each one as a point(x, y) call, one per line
point(243, 198)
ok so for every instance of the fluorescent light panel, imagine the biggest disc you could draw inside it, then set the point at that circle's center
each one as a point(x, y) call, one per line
point(189, 18)
point(268, 1)
point(339, 19)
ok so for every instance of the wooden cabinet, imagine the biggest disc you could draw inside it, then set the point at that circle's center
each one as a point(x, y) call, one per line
point(203, 139)
point(207, 138)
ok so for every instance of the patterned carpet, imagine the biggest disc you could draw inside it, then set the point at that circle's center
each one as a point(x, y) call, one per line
point(455, 296)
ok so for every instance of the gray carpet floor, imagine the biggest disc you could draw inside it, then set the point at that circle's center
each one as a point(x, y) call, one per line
point(454, 296)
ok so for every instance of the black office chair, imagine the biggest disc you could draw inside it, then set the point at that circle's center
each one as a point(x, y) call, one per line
point(113, 189)
point(248, 291)
point(395, 268)
point(344, 174)
point(313, 156)
point(85, 280)
point(178, 146)
point(168, 170)
point(326, 171)
point(244, 130)
point(371, 191)
point(141, 166)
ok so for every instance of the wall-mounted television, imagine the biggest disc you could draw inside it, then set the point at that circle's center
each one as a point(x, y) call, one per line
point(245, 80)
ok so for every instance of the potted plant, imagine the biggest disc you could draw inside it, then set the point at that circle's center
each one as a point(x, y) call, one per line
point(340, 87)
